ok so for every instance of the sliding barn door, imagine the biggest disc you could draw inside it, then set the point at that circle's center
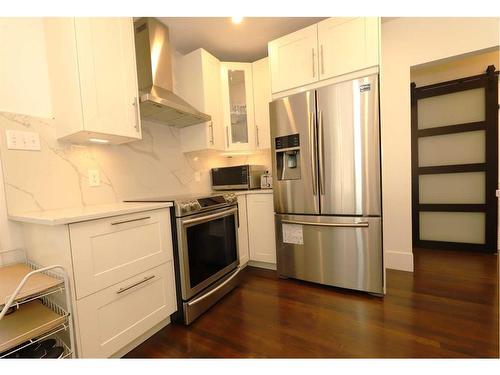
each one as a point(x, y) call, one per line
point(455, 163)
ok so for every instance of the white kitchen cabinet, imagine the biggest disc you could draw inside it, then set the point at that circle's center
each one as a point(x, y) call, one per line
point(347, 45)
point(328, 49)
point(112, 318)
point(199, 83)
point(261, 100)
point(237, 105)
point(261, 231)
point(122, 272)
point(294, 59)
point(93, 79)
point(109, 250)
point(242, 230)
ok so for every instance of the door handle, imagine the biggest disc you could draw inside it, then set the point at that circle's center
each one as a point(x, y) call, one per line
point(210, 217)
point(147, 278)
point(312, 142)
point(359, 224)
point(136, 108)
point(321, 154)
point(322, 60)
point(211, 126)
point(313, 64)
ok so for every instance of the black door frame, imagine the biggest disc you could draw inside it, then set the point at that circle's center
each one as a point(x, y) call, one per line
point(489, 81)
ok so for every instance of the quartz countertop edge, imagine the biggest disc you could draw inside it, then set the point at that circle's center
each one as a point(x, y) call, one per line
point(254, 191)
point(79, 214)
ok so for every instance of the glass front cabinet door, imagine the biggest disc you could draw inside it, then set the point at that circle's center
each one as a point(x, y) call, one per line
point(237, 98)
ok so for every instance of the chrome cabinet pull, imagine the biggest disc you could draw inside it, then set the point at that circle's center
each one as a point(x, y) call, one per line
point(147, 278)
point(321, 154)
point(136, 108)
point(227, 137)
point(313, 65)
point(130, 221)
point(322, 60)
point(211, 126)
point(360, 224)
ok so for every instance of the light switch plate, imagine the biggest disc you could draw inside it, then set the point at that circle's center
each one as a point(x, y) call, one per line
point(94, 177)
point(197, 176)
point(22, 140)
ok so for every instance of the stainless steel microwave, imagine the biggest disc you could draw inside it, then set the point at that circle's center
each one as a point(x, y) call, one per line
point(240, 177)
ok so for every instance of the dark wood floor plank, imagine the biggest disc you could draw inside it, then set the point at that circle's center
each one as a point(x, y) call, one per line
point(447, 308)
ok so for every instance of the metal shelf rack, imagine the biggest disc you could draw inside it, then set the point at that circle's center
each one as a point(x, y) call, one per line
point(32, 284)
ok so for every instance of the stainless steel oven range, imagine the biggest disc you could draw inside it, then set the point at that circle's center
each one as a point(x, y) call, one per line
point(206, 249)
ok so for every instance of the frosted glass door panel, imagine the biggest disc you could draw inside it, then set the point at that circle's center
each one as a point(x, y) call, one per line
point(238, 107)
point(461, 188)
point(449, 149)
point(451, 109)
point(464, 227)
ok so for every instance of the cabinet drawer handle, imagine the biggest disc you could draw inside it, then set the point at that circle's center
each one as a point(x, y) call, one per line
point(131, 220)
point(147, 278)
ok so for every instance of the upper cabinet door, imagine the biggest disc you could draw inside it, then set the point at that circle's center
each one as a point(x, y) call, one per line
point(347, 45)
point(294, 59)
point(108, 77)
point(237, 105)
point(261, 100)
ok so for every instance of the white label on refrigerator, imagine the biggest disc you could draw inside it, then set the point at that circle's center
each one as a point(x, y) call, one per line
point(292, 233)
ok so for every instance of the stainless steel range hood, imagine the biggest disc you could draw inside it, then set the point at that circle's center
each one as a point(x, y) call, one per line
point(154, 73)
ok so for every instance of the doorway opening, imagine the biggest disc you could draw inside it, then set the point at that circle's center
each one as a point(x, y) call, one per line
point(454, 120)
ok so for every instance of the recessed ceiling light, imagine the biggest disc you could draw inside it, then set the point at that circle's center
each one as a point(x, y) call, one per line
point(236, 19)
point(98, 140)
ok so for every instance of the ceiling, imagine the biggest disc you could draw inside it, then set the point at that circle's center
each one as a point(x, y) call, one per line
point(245, 42)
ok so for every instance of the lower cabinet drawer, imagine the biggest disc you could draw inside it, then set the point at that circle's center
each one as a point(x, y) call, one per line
point(110, 250)
point(114, 317)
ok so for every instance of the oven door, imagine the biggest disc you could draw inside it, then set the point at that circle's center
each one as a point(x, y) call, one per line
point(208, 248)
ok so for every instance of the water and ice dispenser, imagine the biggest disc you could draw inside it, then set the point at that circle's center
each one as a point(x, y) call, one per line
point(287, 150)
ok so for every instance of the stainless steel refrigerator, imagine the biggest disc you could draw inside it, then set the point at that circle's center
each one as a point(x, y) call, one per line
point(326, 180)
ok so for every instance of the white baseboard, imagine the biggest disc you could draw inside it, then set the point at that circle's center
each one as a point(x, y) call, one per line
point(267, 266)
point(399, 260)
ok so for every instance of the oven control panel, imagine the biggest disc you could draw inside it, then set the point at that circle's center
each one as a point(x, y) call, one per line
point(204, 203)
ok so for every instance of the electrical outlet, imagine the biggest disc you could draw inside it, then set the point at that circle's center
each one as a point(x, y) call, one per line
point(22, 140)
point(94, 177)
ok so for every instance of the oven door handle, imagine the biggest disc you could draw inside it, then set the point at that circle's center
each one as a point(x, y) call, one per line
point(209, 217)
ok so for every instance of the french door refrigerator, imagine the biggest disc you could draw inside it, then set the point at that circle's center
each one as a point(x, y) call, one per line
point(326, 181)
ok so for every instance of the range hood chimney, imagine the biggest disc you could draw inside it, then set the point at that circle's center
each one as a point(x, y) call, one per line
point(154, 75)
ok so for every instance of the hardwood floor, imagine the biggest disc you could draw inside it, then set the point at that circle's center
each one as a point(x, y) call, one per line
point(447, 308)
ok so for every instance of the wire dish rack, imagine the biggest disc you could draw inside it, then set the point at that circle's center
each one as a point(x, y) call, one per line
point(31, 312)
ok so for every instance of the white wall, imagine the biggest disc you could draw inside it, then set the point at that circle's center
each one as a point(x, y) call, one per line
point(24, 89)
point(407, 42)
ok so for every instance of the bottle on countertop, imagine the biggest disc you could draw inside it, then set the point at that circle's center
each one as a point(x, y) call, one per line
point(266, 181)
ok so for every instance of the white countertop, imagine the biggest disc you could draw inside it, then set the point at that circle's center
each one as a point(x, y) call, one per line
point(77, 214)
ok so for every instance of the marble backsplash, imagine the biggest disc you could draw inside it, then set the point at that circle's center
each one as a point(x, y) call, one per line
point(57, 176)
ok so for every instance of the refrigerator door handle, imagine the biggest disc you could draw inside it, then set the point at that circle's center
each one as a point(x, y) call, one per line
point(312, 143)
point(321, 154)
point(359, 224)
